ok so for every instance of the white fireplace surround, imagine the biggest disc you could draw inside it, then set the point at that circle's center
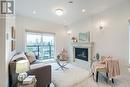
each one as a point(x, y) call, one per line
point(74, 45)
point(82, 45)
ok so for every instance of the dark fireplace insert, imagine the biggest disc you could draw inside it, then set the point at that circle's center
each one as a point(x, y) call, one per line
point(81, 53)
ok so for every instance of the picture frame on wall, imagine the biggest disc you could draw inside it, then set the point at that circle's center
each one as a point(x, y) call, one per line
point(84, 37)
point(13, 45)
point(13, 35)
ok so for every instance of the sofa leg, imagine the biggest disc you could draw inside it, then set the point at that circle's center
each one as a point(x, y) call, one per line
point(48, 85)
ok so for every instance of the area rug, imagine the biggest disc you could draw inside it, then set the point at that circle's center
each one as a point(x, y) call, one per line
point(72, 77)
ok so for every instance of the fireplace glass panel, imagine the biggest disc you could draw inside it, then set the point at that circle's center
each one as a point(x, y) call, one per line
point(81, 53)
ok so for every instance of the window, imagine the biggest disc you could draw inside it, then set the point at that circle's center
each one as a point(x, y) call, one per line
point(42, 44)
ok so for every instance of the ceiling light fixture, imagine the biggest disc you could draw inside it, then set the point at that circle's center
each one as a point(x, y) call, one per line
point(59, 12)
point(83, 10)
point(34, 12)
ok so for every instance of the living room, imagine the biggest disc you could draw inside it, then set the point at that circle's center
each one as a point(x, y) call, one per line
point(104, 25)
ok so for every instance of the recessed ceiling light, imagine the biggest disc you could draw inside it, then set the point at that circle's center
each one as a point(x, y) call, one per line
point(59, 12)
point(34, 12)
point(83, 10)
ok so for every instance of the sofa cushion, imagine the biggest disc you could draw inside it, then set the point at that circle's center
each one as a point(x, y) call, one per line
point(19, 56)
point(31, 57)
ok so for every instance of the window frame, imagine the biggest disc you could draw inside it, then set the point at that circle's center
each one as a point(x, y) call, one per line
point(41, 33)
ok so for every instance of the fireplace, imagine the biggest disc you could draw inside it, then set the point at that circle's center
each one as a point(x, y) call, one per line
point(81, 53)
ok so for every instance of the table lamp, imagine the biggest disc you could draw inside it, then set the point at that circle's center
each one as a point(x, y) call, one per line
point(21, 67)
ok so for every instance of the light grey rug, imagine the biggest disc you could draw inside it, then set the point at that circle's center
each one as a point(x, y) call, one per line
point(72, 77)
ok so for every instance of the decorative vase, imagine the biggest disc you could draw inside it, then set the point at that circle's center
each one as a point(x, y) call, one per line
point(97, 56)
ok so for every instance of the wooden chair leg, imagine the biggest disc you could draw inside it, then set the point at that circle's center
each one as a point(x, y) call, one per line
point(107, 77)
point(93, 74)
point(97, 76)
point(112, 80)
point(107, 74)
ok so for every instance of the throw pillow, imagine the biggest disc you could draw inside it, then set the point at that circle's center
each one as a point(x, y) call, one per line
point(18, 56)
point(31, 57)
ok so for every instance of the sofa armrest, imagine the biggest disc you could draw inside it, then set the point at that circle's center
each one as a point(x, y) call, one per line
point(43, 75)
point(12, 74)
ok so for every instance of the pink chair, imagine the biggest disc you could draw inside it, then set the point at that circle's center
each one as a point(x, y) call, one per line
point(109, 65)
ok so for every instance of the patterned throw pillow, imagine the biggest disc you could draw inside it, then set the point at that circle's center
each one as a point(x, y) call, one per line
point(31, 57)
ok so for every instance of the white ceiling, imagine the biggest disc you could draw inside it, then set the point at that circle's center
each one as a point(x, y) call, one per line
point(45, 9)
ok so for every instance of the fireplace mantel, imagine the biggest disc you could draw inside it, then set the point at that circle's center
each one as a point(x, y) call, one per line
point(82, 44)
point(87, 45)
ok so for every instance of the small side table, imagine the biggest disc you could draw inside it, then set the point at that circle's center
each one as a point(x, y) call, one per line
point(33, 84)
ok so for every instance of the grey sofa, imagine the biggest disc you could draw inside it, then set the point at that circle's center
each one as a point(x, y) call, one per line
point(42, 73)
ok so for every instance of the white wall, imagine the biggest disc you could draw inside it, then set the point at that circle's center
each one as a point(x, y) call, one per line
point(129, 41)
point(25, 23)
point(10, 21)
point(113, 39)
point(5, 48)
point(2, 52)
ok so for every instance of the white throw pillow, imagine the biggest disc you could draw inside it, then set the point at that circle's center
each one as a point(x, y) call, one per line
point(31, 57)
